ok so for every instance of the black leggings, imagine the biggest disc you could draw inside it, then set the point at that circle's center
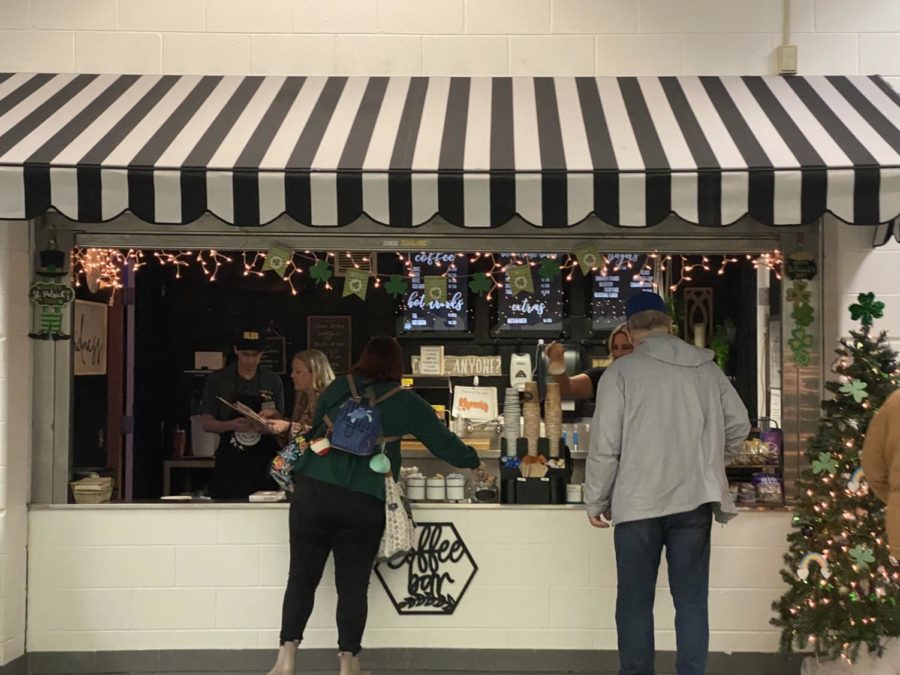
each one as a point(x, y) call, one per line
point(327, 519)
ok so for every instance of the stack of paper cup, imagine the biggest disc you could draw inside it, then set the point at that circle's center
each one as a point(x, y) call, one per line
point(553, 417)
point(531, 416)
point(512, 411)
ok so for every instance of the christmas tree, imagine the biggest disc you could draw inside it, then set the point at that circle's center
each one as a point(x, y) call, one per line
point(843, 584)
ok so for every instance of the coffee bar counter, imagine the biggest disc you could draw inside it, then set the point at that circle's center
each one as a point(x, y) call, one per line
point(210, 575)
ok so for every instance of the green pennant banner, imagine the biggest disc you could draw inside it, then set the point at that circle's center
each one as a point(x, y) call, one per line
point(588, 257)
point(277, 259)
point(435, 288)
point(520, 279)
point(356, 282)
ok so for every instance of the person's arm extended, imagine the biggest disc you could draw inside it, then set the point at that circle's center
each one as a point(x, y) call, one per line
point(440, 441)
point(577, 387)
point(737, 421)
point(602, 462)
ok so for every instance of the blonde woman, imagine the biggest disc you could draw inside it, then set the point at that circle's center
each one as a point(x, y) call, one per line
point(311, 373)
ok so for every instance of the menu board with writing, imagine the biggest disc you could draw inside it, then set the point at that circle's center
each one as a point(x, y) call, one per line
point(626, 274)
point(274, 354)
point(422, 314)
point(540, 310)
point(331, 336)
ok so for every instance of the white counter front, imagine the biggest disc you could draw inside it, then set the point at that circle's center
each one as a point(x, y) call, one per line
point(211, 576)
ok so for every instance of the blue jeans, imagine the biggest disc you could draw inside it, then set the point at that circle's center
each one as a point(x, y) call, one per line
point(639, 546)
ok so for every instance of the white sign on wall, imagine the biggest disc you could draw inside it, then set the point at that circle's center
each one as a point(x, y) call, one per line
point(89, 338)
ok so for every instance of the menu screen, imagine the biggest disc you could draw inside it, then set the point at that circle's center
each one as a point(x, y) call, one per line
point(626, 274)
point(422, 314)
point(540, 309)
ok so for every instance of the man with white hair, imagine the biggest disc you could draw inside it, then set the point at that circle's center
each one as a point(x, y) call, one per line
point(666, 424)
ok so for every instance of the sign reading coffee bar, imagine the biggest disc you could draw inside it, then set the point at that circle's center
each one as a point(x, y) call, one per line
point(433, 578)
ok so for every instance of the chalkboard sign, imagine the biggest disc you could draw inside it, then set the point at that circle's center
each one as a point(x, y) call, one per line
point(421, 314)
point(625, 276)
point(331, 336)
point(540, 310)
point(274, 355)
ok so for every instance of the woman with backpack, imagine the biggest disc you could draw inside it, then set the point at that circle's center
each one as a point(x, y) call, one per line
point(337, 505)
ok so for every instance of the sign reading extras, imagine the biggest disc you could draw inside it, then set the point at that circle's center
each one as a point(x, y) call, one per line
point(432, 578)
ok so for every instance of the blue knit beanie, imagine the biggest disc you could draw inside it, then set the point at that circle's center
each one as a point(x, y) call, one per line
point(644, 301)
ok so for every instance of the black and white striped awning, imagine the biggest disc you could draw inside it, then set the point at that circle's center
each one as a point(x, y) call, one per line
point(476, 151)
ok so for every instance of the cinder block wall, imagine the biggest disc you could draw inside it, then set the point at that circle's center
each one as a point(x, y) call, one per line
point(419, 37)
point(15, 433)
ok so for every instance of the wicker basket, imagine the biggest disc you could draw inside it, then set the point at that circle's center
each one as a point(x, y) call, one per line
point(92, 490)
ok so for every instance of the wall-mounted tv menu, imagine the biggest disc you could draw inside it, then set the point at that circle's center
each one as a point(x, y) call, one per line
point(422, 314)
point(625, 275)
point(541, 310)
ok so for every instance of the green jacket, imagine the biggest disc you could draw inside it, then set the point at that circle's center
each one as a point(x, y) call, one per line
point(402, 413)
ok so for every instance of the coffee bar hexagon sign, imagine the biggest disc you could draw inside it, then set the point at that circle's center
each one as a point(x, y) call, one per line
point(432, 578)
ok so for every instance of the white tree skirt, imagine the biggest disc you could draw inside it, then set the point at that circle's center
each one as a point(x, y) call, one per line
point(868, 664)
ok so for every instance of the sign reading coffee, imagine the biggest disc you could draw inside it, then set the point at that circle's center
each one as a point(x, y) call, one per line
point(433, 578)
point(420, 313)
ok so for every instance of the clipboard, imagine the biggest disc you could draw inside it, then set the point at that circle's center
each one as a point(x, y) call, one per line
point(249, 413)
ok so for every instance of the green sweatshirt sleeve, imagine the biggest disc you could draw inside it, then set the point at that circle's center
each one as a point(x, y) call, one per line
point(440, 441)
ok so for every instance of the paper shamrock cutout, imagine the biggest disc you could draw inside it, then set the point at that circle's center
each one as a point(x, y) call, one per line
point(825, 463)
point(799, 294)
point(549, 269)
point(321, 271)
point(396, 285)
point(803, 315)
point(481, 283)
point(856, 389)
point(862, 556)
point(867, 309)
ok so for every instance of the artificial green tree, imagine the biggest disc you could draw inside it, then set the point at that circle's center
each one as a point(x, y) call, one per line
point(843, 585)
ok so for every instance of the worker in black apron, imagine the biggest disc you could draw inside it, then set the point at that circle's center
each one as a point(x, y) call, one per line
point(244, 453)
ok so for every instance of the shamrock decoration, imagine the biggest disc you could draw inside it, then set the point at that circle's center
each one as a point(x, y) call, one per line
point(481, 283)
point(803, 315)
point(799, 294)
point(824, 463)
point(867, 310)
point(549, 269)
point(800, 340)
point(856, 389)
point(862, 556)
point(321, 271)
point(396, 285)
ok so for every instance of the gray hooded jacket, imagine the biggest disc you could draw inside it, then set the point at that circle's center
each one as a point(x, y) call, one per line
point(667, 422)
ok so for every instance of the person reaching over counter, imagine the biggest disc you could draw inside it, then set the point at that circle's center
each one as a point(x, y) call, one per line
point(584, 385)
point(338, 502)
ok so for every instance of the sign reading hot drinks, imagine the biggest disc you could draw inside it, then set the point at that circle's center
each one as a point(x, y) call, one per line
point(433, 578)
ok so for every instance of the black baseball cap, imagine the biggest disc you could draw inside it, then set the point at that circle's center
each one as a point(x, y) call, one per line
point(249, 339)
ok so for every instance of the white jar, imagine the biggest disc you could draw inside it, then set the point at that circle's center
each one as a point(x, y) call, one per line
point(435, 489)
point(456, 488)
point(415, 488)
point(574, 493)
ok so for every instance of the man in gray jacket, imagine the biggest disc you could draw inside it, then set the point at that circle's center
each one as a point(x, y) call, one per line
point(666, 424)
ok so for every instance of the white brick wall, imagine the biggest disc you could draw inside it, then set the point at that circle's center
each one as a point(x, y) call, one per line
point(15, 434)
point(413, 37)
point(410, 37)
point(214, 577)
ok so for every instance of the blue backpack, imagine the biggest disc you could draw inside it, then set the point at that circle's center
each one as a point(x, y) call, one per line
point(357, 424)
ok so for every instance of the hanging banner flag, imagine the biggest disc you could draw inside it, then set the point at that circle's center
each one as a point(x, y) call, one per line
point(435, 288)
point(519, 279)
point(356, 282)
point(277, 259)
point(588, 257)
